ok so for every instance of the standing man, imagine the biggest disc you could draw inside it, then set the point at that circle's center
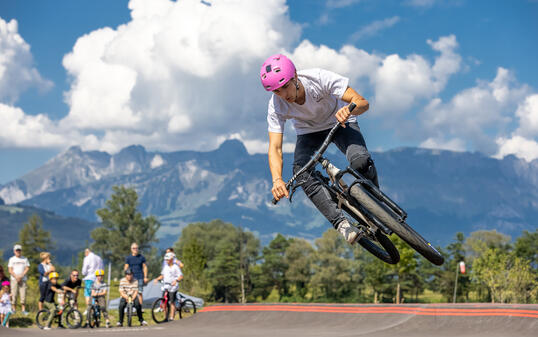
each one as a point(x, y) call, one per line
point(18, 268)
point(92, 262)
point(137, 263)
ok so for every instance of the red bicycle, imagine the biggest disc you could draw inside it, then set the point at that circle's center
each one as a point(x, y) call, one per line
point(160, 310)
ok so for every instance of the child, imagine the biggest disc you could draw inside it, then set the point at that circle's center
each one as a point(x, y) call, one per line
point(99, 289)
point(171, 275)
point(51, 287)
point(5, 303)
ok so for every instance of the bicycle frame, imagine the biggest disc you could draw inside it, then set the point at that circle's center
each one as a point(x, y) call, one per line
point(340, 191)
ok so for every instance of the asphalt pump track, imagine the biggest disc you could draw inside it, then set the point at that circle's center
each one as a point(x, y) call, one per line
point(312, 320)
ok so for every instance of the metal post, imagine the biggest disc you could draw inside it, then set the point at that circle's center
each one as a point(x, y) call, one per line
point(456, 283)
point(108, 282)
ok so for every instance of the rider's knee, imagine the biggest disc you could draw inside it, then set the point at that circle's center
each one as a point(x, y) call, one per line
point(360, 161)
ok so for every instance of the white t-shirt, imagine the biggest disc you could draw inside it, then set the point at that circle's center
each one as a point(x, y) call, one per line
point(171, 273)
point(18, 264)
point(323, 90)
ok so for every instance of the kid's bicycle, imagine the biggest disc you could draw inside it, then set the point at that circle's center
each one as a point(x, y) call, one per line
point(72, 317)
point(376, 215)
point(160, 310)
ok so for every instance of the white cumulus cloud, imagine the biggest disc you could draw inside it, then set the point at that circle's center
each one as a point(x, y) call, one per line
point(17, 71)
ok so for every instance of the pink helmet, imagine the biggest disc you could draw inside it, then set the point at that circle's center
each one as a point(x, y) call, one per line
point(5, 283)
point(276, 71)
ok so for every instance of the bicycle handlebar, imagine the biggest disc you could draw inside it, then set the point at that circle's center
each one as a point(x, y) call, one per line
point(317, 155)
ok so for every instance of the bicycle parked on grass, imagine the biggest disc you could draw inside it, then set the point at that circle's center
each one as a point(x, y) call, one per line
point(160, 310)
point(375, 214)
point(67, 312)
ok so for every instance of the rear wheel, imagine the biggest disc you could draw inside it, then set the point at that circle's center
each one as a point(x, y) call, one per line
point(188, 308)
point(386, 252)
point(403, 230)
point(160, 310)
point(73, 318)
point(377, 244)
point(42, 317)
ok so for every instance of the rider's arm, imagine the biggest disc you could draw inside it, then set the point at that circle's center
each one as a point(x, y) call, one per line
point(351, 96)
point(275, 165)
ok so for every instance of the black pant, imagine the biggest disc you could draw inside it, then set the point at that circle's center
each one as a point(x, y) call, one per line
point(350, 141)
point(138, 307)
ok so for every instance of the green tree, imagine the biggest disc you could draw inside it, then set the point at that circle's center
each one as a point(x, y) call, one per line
point(491, 270)
point(274, 266)
point(523, 285)
point(332, 278)
point(121, 225)
point(406, 266)
point(298, 257)
point(34, 240)
point(526, 247)
point(224, 253)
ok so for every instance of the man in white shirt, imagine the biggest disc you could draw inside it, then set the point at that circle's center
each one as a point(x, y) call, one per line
point(18, 268)
point(171, 275)
point(314, 100)
point(92, 262)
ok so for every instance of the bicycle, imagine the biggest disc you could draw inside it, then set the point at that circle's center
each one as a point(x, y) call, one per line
point(73, 317)
point(129, 307)
point(160, 310)
point(376, 215)
point(94, 314)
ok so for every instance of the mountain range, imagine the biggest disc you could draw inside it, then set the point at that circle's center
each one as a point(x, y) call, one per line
point(443, 192)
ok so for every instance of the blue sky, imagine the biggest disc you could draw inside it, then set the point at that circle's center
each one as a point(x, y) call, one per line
point(486, 69)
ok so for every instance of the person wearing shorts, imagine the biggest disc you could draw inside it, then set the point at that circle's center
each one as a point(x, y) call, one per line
point(171, 276)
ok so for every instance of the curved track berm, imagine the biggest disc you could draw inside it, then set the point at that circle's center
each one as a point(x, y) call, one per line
point(313, 320)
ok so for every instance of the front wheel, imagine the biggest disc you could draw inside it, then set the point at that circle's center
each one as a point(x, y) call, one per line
point(402, 229)
point(160, 310)
point(73, 318)
point(188, 308)
point(129, 314)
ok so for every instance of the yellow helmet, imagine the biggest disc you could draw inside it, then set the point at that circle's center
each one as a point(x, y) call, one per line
point(99, 272)
point(53, 275)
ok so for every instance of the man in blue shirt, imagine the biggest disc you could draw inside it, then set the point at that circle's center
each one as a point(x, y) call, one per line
point(137, 263)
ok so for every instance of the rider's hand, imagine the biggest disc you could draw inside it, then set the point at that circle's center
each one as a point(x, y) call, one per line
point(155, 281)
point(146, 280)
point(173, 284)
point(342, 115)
point(279, 189)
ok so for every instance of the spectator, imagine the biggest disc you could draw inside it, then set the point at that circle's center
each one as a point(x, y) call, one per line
point(92, 262)
point(171, 276)
point(3, 276)
point(44, 269)
point(129, 288)
point(137, 263)
point(72, 285)
point(99, 290)
point(18, 268)
point(51, 288)
point(5, 302)
point(176, 260)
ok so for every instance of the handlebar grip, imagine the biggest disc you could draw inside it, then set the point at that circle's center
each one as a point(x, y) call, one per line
point(352, 106)
point(274, 201)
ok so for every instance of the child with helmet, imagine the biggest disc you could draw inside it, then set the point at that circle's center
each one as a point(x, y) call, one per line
point(50, 289)
point(99, 290)
point(5, 303)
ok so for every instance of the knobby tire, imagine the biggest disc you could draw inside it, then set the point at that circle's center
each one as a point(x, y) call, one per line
point(403, 230)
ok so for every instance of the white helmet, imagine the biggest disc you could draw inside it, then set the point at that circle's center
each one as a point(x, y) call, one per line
point(169, 256)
